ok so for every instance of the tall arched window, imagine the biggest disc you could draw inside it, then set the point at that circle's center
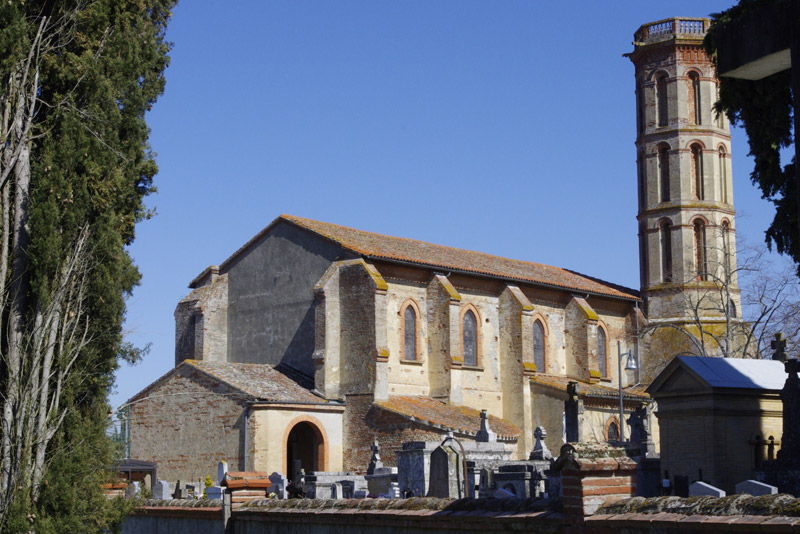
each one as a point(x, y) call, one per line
point(410, 333)
point(665, 237)
point(661, 99)
point(644, 263)
point(612, 434)
point(726, 247)
point(723, 175)
point(663, 171)
point(639, 109)
point(469, 338)
point(641, 179)
point(538, 346)
point(695, 115)
point(697, 172)
point(602, 361)
point(700, 260)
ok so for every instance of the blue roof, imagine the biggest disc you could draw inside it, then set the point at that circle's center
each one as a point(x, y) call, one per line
point(737, 372)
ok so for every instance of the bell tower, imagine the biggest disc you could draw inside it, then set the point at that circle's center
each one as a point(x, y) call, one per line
point(686, 216)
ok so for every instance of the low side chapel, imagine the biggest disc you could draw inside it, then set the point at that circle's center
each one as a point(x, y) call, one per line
point(313, 339)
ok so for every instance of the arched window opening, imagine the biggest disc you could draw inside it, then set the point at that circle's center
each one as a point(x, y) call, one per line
point(697, 172)
point(665, 236)
point(644, 264)
point(613, 432)
point(726, 248)
point(723, 175)
point(695, 115)
point(640, 171)
point(700, 260)
point(663, 171)
point(639, 110)
point(719, 115)
point(538, 346)
point(469, 337)
point(409, 333)
point(602, 362)
point(661, 98)
point(732, 309)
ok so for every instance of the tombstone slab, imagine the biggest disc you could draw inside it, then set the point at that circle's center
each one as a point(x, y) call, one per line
point(222, 468)
point(162, 490)
point(215, 493)
point(698, 489)
point(279, 484)
point(755, 488)
point(446, 478)
point(133, 490)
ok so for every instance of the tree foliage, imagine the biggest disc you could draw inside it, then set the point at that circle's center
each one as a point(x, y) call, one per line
point(764, 108)
point(77, 79)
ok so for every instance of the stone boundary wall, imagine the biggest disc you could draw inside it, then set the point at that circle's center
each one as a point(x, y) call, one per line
point(176, 517)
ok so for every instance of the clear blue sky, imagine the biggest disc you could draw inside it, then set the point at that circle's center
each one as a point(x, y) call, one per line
point(501, 126)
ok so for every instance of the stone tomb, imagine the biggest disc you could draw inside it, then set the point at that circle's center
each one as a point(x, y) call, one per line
point(755, 488)
point(700, 488)
point(447, 473)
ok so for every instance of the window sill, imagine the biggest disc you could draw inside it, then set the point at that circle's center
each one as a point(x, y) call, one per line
point(411, 362)
point(605, 379)
point(472, 367)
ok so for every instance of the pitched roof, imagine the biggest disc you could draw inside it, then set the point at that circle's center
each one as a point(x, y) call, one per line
point(255, 382)
point(728, 372)
point(589, 389)
point(259, 381)
point(390, 248)
point(433, 412)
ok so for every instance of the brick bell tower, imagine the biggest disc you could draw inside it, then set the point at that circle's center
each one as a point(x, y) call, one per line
point(686, 214)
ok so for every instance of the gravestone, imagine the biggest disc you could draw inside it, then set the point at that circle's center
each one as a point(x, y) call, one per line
point(279, 484)
point(790, 395)
point(191, 491)
point(180, 491)
point(162, 490)
point(756, 488)
point(540, 450)
point(380, 482)
point(375, 461)
point(699, 488)
point(133, 490)
point(446, 479)
point(215, 493)
point(485, 434)
point(222, 468)
point(681, 485)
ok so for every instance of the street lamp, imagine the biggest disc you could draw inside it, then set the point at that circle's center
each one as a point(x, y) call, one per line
point(630, 365)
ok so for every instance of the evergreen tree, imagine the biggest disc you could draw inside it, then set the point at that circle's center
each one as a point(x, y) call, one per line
point(76, 81)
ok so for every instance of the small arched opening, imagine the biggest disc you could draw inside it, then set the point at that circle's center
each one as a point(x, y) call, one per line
point(307, 444)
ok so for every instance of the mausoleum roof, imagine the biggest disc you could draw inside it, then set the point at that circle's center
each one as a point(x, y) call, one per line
point(401, 249)
point(738, 373)
point(438, 414)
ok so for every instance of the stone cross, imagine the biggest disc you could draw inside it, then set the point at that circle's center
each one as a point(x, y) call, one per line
point(540, 450)
point(375, 462)
point(779, 346)
point(485, 434)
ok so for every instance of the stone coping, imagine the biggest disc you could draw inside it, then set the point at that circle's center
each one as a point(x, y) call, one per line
point(180, 503)
point(488, 507)
point(782, 505)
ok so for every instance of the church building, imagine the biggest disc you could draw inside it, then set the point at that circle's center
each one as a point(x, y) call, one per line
point(313, 339)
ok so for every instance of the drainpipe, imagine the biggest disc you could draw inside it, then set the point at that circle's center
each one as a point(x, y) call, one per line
point(246, 417)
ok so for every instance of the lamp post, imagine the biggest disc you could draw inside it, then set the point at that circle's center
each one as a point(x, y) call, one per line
point(630, 365)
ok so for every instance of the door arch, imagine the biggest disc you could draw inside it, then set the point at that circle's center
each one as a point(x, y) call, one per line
point(305, 440)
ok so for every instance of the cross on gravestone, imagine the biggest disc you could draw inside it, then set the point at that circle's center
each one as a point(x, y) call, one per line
point(779, 346)
point(485, 434)
point(375, 461)
point(540, 450)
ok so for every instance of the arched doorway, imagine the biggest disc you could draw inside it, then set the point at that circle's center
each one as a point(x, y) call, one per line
point(307, 444)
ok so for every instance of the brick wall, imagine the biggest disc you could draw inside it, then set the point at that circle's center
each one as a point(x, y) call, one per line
point(188, 423)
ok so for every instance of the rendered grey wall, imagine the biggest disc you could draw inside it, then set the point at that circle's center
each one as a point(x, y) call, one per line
point(171, 525)
point(271, 299)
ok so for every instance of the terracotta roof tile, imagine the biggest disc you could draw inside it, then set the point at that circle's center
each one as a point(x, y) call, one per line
point(587, 388)
point(384, 247)
point(461, 419)
point(262, 382)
